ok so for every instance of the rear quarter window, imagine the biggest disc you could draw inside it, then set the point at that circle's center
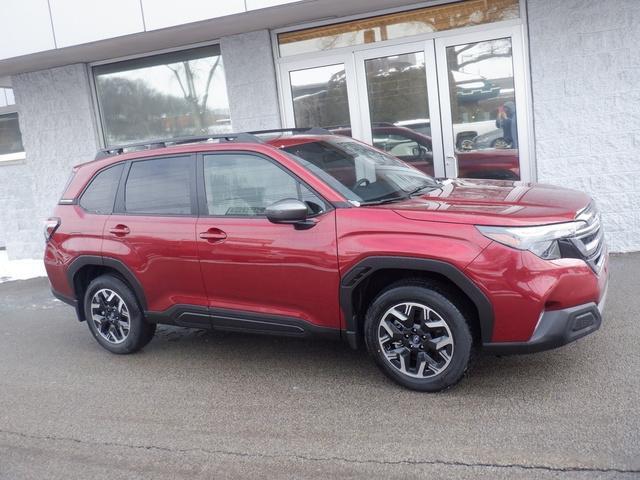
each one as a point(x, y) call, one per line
point(100, 195)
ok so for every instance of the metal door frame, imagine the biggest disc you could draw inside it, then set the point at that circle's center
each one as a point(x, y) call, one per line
point(521, 87)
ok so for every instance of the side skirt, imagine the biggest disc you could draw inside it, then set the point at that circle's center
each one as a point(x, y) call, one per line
point(194, 316)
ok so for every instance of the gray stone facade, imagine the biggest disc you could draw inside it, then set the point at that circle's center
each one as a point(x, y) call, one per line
point(58, 131)
point(251, 81)
point(585, 68)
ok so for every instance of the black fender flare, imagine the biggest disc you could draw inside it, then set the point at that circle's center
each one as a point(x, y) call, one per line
point(366, 267)
point(115, 264)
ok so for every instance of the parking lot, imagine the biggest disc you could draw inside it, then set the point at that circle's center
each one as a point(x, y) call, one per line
point(211, 405)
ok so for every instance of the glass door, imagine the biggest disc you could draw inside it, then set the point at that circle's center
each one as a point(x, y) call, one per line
point(454, 106)
point(398, 100)
point(483, 105)
point(321, 93)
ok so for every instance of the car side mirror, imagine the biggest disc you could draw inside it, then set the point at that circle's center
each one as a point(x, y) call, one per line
point(420, 151)
point(289, 211)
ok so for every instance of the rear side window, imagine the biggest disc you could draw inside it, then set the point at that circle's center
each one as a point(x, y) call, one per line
point(101, 192)
point(160, 187)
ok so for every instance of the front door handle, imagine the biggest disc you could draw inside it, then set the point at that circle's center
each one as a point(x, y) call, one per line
point(213, 235)
point(120, 230)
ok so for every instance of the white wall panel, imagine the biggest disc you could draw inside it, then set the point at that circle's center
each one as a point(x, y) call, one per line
point(25, 27)
point(81, 21)
point(257, 4)
point(162, 14)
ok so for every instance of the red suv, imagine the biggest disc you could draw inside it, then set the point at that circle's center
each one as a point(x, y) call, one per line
point(312, 234)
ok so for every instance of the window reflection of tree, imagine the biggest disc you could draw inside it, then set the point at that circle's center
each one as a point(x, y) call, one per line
point(133, 109)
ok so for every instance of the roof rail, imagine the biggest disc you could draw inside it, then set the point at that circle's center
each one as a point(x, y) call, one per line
point(167, 142)
point(309, 131)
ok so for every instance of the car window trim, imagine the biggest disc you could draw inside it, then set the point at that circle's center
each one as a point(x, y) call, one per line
point(203, 209)
point(120, 206)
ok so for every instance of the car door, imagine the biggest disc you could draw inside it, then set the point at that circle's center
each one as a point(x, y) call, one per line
point(152, 232)
point(260, 275)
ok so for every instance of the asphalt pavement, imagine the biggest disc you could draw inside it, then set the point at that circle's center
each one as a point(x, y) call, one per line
point(209, 405)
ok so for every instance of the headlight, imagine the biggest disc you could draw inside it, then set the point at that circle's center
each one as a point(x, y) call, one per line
point(542, 240)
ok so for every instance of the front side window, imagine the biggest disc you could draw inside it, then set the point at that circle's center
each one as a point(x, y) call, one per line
point(101, 192)
point(359, 172)
point(171, 95)
point(242, 185)
point(160, 187)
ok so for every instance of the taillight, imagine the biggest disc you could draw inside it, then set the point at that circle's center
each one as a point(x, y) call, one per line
point(50, 227)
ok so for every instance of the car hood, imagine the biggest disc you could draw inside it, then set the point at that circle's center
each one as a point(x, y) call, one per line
point(493, 202)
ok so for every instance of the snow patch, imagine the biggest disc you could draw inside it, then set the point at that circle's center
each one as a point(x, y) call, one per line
point(19, 269)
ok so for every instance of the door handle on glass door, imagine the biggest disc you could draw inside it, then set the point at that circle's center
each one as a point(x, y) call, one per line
point(213, 235)
point(120, 230)
point(451, 166)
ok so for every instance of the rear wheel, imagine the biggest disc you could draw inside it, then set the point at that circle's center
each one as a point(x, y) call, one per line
point(418, 337)
point(114, 316)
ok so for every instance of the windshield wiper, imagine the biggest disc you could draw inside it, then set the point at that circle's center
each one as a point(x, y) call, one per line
point(383, 201)
point(421, 188)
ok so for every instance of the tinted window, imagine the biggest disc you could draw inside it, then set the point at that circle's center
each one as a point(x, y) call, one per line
point(101, 193)
point(160, 186)
point(245, 185)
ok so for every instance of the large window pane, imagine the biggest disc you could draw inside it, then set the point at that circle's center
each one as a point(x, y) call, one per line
point(171, 95)
point(483, 109)
point(320, 96)
point(160, 187)
point(399, 108)
point(10, 136)
point(397, 25)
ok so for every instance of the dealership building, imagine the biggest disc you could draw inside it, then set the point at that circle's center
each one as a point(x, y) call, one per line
point(551, 88)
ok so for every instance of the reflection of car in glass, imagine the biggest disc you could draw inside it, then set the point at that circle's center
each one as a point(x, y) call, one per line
point(416, 149)
point(492, 139)
point(421, 125)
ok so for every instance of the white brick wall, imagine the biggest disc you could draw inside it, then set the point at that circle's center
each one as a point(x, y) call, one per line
point(251, 81)
point(585, 67)
point(58, 131)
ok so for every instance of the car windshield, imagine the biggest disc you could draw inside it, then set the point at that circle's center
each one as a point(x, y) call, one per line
point(359, 172)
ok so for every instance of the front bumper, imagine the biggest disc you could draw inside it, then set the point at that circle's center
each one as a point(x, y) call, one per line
point(556, 328)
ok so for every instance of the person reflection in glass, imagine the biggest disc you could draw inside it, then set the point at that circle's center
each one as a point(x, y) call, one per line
point(508, 122)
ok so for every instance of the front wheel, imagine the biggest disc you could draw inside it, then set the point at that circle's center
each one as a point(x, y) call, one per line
point(418, 337)
point(114, 317)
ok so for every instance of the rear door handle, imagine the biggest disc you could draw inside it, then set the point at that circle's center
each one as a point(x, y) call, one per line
point(213, 235)
point(120, 230)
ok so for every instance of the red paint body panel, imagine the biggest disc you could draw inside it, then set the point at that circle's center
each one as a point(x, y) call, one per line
point(162, 254)
point(261, 267)
point(520, 286)
point(80, 233)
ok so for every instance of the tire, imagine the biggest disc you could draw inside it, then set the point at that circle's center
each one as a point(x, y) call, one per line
point(500, 143)
point(114, 316)
point(403, 307)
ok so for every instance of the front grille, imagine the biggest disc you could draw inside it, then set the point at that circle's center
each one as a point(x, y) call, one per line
point(589, 240)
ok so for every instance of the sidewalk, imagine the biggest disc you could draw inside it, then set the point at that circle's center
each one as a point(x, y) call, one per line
point(19, 269)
